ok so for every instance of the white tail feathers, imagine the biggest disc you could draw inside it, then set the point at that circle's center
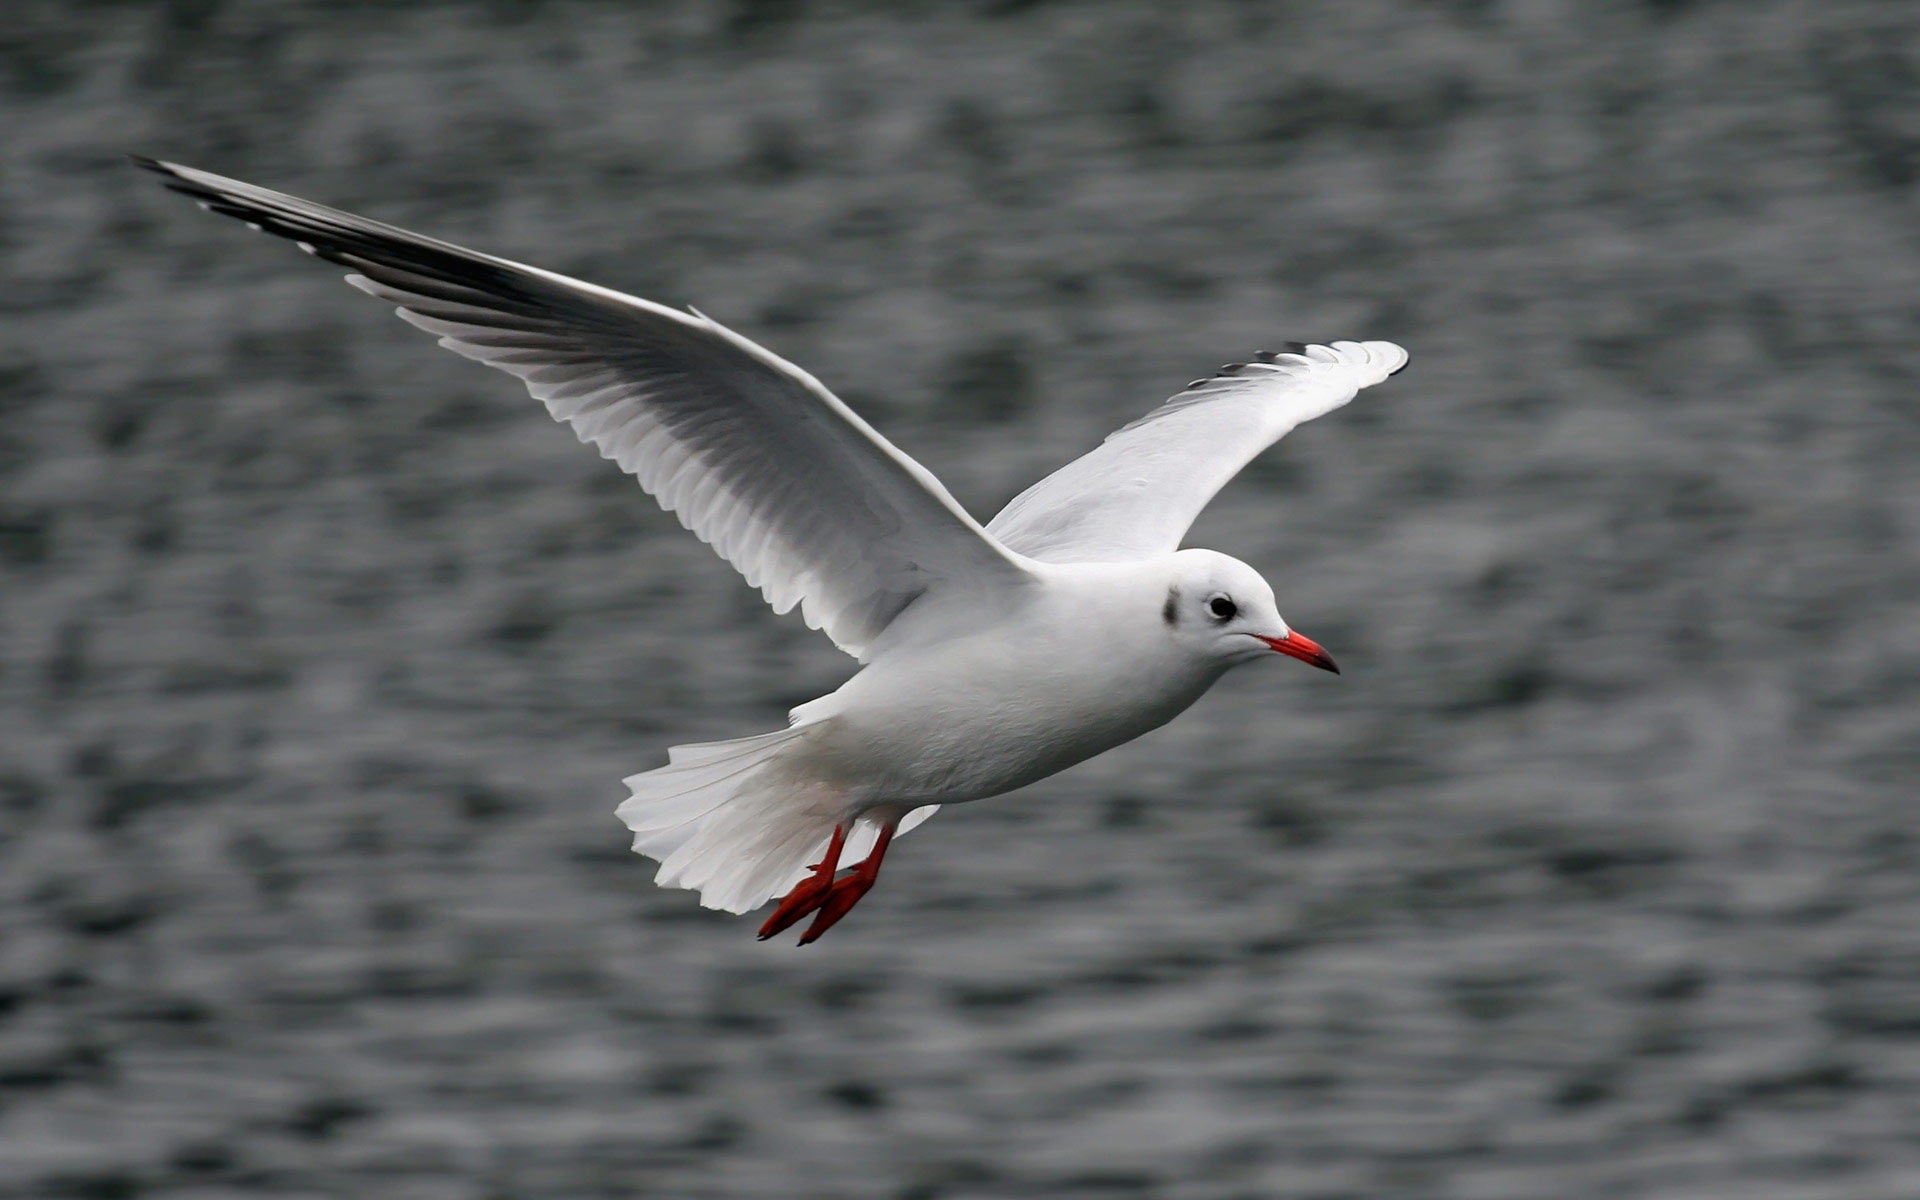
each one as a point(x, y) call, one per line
point(727, 820)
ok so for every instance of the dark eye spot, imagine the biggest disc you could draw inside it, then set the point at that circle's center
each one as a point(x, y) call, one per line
point(1222, 607)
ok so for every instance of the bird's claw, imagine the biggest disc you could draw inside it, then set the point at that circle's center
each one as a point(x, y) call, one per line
point(809, 894)
point(827, 891)
point(837, 903)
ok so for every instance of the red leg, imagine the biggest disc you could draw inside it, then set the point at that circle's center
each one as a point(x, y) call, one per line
point(810, 893)
point(845, 893)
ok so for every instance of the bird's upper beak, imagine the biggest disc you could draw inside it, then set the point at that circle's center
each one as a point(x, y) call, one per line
point(1300, 646)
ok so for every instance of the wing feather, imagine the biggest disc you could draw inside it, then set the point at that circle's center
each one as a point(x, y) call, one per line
point(753, 454)
point(1135, 495)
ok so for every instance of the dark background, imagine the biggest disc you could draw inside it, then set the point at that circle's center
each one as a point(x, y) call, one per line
point(324, 651)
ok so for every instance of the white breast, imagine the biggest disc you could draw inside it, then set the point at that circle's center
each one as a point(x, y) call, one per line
point(1084, 666)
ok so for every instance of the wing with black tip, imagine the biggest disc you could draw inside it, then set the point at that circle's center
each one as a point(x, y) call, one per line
point(753, 454)
point(1135, 496)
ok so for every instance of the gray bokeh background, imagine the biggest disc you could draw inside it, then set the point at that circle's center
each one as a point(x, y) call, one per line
point(322, 652)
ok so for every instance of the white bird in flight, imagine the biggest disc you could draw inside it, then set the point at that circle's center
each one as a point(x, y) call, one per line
point(991, 656)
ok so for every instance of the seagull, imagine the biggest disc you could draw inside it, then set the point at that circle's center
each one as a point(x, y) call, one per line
point(991, 656)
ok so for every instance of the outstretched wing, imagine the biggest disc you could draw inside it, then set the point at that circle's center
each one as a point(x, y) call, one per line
point(1135, 495)
point(758, 459)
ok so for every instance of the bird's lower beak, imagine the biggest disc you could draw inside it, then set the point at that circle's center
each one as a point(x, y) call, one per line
point(1304, 648)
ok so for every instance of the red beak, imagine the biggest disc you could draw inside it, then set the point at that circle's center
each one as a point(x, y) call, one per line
point(1304, 648)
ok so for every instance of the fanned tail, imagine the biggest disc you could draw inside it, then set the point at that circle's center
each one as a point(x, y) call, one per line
point(726, 820)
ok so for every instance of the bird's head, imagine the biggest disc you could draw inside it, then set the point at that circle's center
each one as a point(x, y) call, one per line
point(1221, 608)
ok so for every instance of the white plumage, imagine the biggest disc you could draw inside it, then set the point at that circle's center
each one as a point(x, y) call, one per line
point(1135, 495)
point(995, 656)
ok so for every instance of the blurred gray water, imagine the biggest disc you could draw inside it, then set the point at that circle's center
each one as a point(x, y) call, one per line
point(322, 652)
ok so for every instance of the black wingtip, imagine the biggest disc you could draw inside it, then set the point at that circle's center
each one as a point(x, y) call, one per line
point(1267, 356)
point(170, 176)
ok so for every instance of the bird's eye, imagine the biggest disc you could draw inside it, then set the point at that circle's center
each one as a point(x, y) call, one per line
point(1222, 607)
